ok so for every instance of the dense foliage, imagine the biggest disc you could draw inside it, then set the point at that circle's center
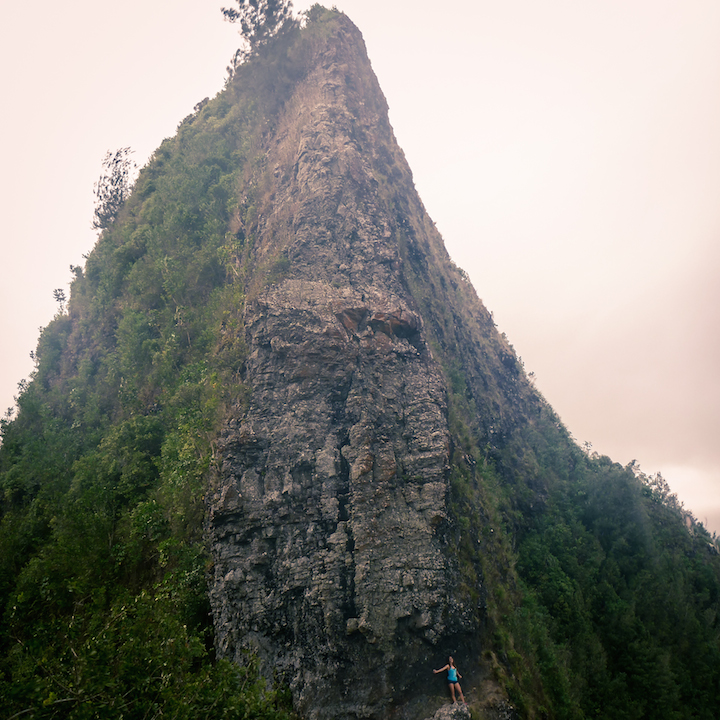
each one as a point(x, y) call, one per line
point(598, 591)
point(103, 598)
point(113, 188)
point(601, 593)
point(259, 22)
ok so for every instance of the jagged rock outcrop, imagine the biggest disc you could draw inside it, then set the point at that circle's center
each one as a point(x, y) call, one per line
point(328, 555)
point(456, 711)
point(328, 513)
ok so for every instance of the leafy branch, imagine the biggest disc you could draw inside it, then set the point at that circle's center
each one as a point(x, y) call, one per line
point(113, 187)
point(260, 21)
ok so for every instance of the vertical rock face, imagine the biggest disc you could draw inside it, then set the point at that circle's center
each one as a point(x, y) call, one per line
point(328, 559)
point(326, 520)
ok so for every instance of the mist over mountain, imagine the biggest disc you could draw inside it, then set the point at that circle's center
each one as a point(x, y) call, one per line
point(276, 459)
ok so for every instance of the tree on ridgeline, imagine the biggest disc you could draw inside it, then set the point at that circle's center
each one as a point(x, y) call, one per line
point(260, 21)
point(60, 298)
point(113, 187)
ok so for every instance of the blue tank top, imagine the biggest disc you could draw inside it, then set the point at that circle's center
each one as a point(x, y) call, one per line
point(452, 675)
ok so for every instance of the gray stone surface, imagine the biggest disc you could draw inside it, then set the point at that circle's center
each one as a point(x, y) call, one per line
point(327, 514)
point(455, 711)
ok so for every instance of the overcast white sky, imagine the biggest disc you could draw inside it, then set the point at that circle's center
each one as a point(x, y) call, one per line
point(569, 152)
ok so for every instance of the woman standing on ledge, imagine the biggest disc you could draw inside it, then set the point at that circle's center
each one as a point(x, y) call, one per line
point(452, 677)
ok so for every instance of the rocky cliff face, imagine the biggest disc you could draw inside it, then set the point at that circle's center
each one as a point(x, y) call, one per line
point(329, 512)
point(272, 325)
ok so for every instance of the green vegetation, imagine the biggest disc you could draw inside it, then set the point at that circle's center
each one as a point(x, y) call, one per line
point(103, 598)
point(601, 594)
point(260, 21)
point(598, 595)
point(605, 607)
point(113, 187)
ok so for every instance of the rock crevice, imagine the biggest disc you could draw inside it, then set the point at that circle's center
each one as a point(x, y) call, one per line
point(328, 512)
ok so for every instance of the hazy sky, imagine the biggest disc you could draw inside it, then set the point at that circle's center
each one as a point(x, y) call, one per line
point(568, 150)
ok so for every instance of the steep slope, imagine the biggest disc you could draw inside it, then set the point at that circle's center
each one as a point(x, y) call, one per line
point(334, 480)
point(329, 519)
point(352, 515)
point(275, 402)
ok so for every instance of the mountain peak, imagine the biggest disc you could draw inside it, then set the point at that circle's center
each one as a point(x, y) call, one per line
point(275, 401)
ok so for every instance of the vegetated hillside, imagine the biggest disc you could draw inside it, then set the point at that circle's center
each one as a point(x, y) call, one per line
point(270, 273)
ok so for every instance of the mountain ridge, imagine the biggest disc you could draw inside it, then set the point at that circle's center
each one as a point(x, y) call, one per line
point(271, 354)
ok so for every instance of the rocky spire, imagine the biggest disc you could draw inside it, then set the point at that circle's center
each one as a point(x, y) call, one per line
point(328, 515)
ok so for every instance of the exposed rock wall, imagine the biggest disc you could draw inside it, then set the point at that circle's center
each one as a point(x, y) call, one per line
point(327, 517)
point(325, 527)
